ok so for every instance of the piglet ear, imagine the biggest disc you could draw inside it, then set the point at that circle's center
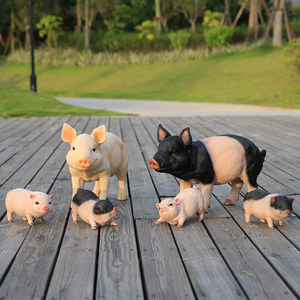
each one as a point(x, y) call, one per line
point(99, 134)
point(185, 137)
point(273, 199)
point(162, 133)
point(292, 200)
point(51, 197)
point(32, 196)
point(68, 133)
point(157, 205)
point(177, 200)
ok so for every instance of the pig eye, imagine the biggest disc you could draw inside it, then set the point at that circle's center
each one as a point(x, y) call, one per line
point(170, 204)
point(94, 150)
point(50, 203)
point(278, 206)
point(73, 148)
point(37, 203)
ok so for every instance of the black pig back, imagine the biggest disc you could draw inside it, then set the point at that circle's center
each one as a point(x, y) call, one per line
point(83, 196)
point(256, 195)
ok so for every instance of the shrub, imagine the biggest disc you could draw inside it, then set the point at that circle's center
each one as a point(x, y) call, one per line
point(179, 39)
point(218, 36)
point(293, 47)
point(212, 19)
point(147, 29)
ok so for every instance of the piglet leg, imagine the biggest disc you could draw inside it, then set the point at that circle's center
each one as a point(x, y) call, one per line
point(280, 222)
point(270, 223)
point(159, 221)
point(30, 220)
point(9, 216)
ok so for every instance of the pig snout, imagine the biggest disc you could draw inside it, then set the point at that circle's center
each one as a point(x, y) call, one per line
point(287, 211)
point(45, 207)
point(153, 164)
point(115, 209)
point(83, 162)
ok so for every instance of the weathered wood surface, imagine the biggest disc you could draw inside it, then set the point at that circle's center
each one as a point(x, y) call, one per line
point(221, 257)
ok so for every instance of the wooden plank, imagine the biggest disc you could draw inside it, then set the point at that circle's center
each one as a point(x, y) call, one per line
point(165, 184)
point(118, 265)
point(163, 271)
point(210, 276)
point(143, 194)
point(253, 272)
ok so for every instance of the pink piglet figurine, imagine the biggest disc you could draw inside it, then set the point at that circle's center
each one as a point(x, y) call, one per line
point(183, 207)
point(28, 205)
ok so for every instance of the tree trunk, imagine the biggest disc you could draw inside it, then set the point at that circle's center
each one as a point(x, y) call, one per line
point(12, 30)
point(193, 25)
point(87, 32)
point(158, 16)
point(252, 15)
point(78, 13)
point(277, 28)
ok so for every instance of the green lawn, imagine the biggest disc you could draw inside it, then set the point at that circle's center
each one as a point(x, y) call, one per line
point(18, 102)
point(261, 76)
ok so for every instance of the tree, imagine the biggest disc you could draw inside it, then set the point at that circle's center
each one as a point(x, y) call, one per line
point(192, 9)
point(168, 8)
point(50, 26)
point(277, 28)
point(106, 10)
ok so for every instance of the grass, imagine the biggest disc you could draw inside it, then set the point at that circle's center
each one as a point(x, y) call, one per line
point(260, 76)
point(17, 102)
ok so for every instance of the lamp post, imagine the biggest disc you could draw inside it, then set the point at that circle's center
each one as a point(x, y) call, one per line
point(32, 76)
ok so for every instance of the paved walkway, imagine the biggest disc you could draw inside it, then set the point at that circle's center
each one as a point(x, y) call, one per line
point(174, 108)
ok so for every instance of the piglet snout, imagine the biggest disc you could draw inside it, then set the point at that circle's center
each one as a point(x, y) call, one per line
point(45, 207)
point(115, 209)
point(287, 211)
point(153, 164)
point(83, 162)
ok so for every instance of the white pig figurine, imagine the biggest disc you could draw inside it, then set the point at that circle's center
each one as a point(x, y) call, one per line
point(267, 207)
point(96, 157)
point(183, 207)
point(28, 205)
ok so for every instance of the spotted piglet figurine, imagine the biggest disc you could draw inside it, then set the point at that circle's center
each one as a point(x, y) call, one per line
point(28, 205)
point(92, 210)
point(183, 207)
point(267, 207)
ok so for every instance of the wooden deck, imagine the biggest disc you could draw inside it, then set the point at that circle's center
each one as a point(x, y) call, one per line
point(221, 257)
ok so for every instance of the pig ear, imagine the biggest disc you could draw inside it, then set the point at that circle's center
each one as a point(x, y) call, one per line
point(157, 205)
point(99, 134)
point(292, 199)
point(162, 133)
point(51, 197)
point(32, 196)
point(185, 137)
point(68, 133)
point(273, 199)
point(177, 200)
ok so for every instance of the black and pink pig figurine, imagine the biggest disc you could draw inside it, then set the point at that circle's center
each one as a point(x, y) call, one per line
point(211, 161)
point(92, 210)
point(267, 207)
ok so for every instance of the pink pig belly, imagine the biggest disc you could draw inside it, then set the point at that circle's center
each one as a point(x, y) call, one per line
point(85, 211)
point(228, 158)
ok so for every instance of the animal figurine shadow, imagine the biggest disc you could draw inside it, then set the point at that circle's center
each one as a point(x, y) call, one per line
point(96, 157)
point(210, 161)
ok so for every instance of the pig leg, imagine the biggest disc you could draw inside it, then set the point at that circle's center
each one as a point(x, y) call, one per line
point(270, 223)
point(184, 185)
point(236, 187)
point(75, 214)
point(280, 222)
point(248, 217)
point(101, 186)
point(181, 221)
point(112, 222)
point(206, 190)
point(41, 219)
point(30, 220)
point(9, 216)
point(122, 195)
point(159, 221)
point(94, 224)
point(200, 212)
point(77, 182)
